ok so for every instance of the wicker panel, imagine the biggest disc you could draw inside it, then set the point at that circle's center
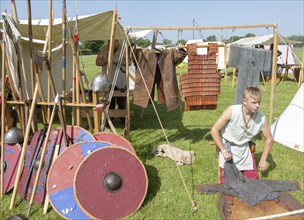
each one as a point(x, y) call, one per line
point(201, 100)
point(200, 107)
point(202, 71)
point(214, 92)
point(202, 67)
point(191, 49)
point(200, 76)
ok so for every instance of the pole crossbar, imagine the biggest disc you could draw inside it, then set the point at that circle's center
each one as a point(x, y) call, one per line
point(190, 28)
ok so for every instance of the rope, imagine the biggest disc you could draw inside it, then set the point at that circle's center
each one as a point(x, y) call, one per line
point(193, 203)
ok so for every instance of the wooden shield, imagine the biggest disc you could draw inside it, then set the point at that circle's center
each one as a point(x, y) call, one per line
point(11, 158)
point(115, 139)
point(61, 175)
point(75, 135)
point(29, 172)
point(111, 183)
point(230, 207)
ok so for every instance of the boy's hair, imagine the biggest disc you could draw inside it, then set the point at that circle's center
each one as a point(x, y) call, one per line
point(252, 92)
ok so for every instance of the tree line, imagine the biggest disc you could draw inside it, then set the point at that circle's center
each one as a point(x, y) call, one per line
point(92, 47)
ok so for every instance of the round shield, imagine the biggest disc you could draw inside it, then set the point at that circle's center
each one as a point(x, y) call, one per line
point(75, 135)
point(117, 183)
point(31, 164)
point(61, 175)
point(115, 139)
point(11, 158)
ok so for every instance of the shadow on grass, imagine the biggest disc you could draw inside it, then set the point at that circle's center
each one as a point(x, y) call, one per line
point(147, 131)
point(154, 184)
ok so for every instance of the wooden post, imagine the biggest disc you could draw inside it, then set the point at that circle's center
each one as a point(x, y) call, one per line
point(274, 70)
point(23, 149)
point(302, 69)
point(128, 118)
point(3, 105)
point(63, 68)
point(82, 91)
point(49, 43)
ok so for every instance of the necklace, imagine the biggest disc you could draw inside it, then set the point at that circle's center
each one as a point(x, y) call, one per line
point(244, 119)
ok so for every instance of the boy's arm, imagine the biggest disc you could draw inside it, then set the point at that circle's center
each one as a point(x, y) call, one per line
point(215, 131)
point(268, 144)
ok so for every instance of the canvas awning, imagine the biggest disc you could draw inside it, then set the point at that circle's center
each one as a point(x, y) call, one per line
point(281, 41)
point(91, 27)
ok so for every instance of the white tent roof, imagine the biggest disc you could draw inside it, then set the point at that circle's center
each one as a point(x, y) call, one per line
point(286, 50)
point(249, 41)
point(288, 129)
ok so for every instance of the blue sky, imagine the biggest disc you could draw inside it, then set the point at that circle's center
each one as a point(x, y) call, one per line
point(288, 14)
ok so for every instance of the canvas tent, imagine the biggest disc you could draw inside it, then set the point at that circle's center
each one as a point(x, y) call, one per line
point(284, 45)
point(201, 51)
point(91, 27)
point(288, 129)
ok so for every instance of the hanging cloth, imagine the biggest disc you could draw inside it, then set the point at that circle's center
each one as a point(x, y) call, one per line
point(167, 87)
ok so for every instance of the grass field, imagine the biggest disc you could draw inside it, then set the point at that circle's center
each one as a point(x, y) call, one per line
point(167, 197)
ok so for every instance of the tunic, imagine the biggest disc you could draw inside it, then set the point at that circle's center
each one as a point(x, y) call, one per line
point(238, 137)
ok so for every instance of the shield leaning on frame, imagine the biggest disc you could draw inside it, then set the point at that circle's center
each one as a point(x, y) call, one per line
point(61, 175)
point(31, 164)
point(115, 139)
point(11, 158)
point(117, 183)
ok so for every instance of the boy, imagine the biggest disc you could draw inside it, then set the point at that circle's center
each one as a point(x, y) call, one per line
point(238, 125)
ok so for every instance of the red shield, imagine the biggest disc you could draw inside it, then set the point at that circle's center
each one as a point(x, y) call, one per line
point(11, 158)
point(61, 175)
point(29, 172)
point(111, 183)
point(115, 139)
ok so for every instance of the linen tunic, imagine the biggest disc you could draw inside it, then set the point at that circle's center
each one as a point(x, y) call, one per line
point(235, 133)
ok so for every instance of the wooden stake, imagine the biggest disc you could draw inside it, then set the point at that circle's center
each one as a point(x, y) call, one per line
point(55, 155)
point(274, 71)
point(42, 156)
point(3, 105)
point(23, 150)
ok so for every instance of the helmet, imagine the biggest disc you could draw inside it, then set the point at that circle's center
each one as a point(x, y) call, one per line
point(101, 83)
point(13, 136)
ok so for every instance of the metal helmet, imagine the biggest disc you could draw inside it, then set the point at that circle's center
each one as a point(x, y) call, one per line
point(13, 136)
point(101, 83)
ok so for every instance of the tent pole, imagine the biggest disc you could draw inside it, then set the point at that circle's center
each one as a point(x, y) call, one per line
point(274, 70)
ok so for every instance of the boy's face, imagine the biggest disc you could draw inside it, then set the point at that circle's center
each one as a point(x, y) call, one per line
point(252, 103)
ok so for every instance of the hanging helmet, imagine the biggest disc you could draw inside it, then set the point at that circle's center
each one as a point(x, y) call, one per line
point(101, 83)
point(13, 136)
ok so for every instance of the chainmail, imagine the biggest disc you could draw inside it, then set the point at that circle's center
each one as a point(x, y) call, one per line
point(248, 190)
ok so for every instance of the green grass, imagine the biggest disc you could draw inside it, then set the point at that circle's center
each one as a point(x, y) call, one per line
point(167, 197)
